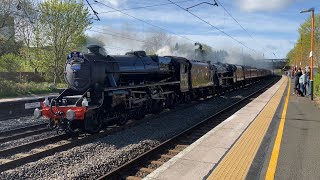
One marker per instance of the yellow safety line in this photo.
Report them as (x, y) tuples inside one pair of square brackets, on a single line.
[(276, 148), (237, 162)]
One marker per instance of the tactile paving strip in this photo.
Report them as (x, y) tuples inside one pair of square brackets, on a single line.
[(236, 163)]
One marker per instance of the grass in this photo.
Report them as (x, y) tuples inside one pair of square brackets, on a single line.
[(14, 89), (317, 84)]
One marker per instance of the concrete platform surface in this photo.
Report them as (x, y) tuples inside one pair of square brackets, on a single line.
[(199, 159), (299, 149)]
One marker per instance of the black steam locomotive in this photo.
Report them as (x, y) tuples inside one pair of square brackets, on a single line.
[(112, 89)]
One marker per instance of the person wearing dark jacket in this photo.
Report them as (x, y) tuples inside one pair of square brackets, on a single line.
[(308, 80), (296, 80)]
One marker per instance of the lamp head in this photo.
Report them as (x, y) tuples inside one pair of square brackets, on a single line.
[(307, 10)]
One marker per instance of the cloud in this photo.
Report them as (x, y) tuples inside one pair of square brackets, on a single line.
[(114, 3), (271, 32), (263, 44), (175, 18), (263, 5)]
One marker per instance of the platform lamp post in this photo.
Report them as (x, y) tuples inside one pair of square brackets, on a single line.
[(311, 52), (296, 61), (300, 52), (300, 64)]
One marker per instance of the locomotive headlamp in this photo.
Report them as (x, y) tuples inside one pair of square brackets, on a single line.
[(46, 102), (37, 113), (70, 114), (84, 102)]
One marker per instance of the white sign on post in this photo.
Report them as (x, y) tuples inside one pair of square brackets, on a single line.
[(31, 105)]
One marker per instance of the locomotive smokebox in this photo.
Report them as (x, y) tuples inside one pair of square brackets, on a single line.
[(78, 71)]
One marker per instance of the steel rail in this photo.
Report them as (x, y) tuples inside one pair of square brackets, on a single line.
[(19, 133), (25, 149), (122, 171)]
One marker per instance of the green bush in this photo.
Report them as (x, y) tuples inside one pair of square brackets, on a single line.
[(14, 89), (317, 83), (10, 63)]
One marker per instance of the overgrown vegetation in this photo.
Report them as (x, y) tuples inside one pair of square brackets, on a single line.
[(36, 36), (303, 44), (317, 84), (13, 89)]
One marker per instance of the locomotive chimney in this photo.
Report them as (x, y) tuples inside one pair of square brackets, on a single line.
[(95, 49)]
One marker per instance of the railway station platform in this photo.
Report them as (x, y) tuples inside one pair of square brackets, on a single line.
[(21, 106), (275, 136), (27, 98)]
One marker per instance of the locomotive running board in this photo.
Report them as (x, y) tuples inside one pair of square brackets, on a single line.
[(142, 85)]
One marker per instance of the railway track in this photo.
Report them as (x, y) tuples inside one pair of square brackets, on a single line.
[(14, 134), (147, 162), (19, 155), (22, 132), (16, 156)]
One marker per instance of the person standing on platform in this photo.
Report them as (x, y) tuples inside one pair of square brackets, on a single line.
[(308, 80), (292, 73), (302, 82), (296, 81)]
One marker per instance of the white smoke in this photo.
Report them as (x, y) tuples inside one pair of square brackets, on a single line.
[(232, 56), (165, 51), (262, 5), (94, 40), (118, 40), (183, 50)]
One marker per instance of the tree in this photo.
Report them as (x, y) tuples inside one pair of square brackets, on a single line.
[(156, 40), (219, 56), (8, 14), (10, 63), (27, 32), (61, 26), (305, 39)]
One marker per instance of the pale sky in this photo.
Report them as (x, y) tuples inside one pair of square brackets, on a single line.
[(271, 26)]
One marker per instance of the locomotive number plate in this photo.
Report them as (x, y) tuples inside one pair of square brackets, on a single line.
[(31, 105), (76, 67)]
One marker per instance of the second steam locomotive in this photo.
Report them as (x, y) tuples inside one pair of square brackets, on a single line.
[(111, 89)]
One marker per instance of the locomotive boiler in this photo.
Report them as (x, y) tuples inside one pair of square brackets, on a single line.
[(96, 69)]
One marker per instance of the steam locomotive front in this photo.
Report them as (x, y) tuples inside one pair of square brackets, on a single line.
[(77, 72), (83, 71)]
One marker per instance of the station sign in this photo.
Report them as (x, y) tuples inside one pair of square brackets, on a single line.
[(31, 105)]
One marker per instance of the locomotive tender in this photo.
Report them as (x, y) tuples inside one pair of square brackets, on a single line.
[(114, 88)]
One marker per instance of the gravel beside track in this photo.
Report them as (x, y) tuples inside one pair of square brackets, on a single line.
[(91, 160), (26, 140), (20, 122)]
